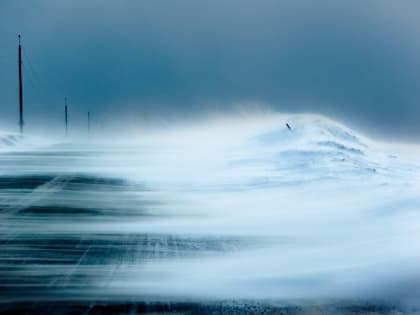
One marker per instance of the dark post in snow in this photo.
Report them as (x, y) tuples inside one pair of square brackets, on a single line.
[(88, 122), (65, 114), (20, 88)]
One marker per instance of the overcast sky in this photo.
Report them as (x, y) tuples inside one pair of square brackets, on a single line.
[(354, 60)]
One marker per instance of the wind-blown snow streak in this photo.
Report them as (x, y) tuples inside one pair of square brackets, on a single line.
[(232, 209)]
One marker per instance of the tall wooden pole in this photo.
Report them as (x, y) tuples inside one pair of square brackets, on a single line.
[(65, 114), (20, 88), (88, 122)]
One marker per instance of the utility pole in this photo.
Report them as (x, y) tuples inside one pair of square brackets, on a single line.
[(88, 122), (66, 114), (20, 87)]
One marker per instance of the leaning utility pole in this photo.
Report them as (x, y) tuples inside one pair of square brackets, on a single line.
[(65, 114), (20, 87)]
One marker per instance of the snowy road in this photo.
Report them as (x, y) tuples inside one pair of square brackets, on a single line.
[(264, 221)]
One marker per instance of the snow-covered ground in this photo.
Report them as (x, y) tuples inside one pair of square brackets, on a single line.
[(8, 140), (231, 209), (12, 141)]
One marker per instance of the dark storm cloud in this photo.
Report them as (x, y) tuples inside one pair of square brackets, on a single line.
[(357, 60)]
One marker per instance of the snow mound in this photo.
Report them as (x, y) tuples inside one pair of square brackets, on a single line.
[(9, 140), (309, 130), (315, 148)]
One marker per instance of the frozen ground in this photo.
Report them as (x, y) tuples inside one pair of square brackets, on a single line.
[(231, 216)]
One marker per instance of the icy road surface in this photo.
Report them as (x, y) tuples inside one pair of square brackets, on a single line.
[(232, 216)]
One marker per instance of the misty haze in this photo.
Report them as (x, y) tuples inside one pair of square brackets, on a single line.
[(209, 157)]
